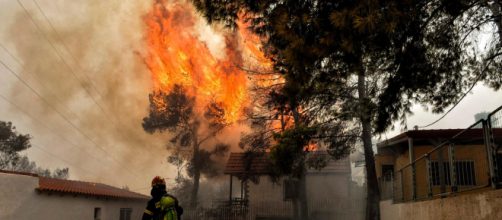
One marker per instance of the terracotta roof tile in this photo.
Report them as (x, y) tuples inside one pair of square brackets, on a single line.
[(238, 163), (85, 188), (46, 184), (260, 164)]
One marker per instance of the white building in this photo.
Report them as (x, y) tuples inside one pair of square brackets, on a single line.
[(28, 196), (328, 189)]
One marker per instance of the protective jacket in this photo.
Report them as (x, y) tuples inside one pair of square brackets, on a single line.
[(163, 208)]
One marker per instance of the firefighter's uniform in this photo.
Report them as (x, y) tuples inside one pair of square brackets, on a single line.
[(163, 207)]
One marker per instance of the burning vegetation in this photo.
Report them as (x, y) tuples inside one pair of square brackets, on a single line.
[(176, 55), (198, 90)]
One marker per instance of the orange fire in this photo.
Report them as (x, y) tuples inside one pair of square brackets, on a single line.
[(176, 55), (311, 147)]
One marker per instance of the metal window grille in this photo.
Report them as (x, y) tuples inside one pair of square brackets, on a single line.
[(465, 173)]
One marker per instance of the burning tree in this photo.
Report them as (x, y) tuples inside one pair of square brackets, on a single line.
[(174, 112), (366, 57)]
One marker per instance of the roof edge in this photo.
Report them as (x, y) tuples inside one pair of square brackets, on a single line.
[(139, 197), (19, 173)]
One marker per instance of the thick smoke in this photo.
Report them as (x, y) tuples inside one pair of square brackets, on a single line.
[(87, 64)]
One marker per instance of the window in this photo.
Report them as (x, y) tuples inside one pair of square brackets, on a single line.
[(387, 172), (97, 213), (125, 213), (465, 174)]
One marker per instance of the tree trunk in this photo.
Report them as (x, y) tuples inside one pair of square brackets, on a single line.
[(302, 196), (195, 189), (373, 193), (302, 183), (196, 171)]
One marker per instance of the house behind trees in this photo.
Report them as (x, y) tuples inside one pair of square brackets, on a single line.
[(328, 189)]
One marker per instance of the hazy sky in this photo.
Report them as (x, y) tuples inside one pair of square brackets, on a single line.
[(89, 73)]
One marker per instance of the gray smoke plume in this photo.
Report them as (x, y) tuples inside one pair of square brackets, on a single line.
[(86, 64)]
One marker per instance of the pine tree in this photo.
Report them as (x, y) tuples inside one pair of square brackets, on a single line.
[(371, 59), (173, 111)]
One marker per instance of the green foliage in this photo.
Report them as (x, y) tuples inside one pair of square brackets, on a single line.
[(11, 144), (209, 161), (415, 51), (10, 141), (174, 112), (171, 111), (367, 60), (288, 152)]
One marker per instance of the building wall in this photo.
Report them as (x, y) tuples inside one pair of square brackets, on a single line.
[(383, 159), (19, 200), (482, 205), (267, 199), (476, 153), (325, 193)]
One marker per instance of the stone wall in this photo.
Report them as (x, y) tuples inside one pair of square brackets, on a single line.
[(476, 205)]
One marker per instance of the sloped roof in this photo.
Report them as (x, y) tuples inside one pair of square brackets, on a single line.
[(85, 188), (259, 164), (46, 184), (18, 173), (239, 163)]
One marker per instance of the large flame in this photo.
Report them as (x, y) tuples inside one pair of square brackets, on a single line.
[(176, 55)]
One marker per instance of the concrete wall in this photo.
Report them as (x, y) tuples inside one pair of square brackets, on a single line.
[(324, 193), (19, 200), (266, 198), (479, 205)]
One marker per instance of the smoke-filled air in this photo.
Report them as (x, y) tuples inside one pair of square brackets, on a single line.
[(93, 64), (250, 110)]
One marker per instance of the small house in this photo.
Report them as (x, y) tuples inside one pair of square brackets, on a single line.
[(29, 196), (328, 189), (423, 164)]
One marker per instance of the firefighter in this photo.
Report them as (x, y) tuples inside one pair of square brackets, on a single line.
[(162, 206)]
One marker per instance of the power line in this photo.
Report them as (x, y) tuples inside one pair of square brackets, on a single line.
[(31, 88), (66, 48), (37, 78), (60, 114), (462, 97), (67, 64), (39, 147), (44, 125), (60, 56), (40, 81), (114, 122)]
